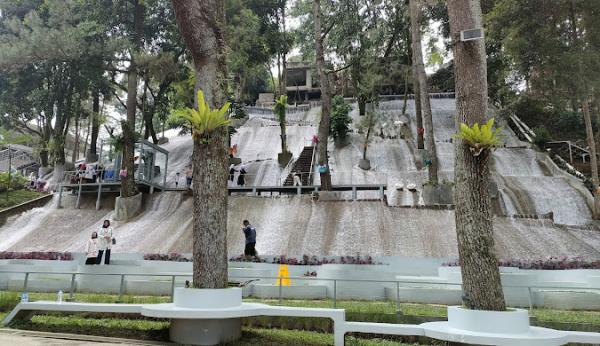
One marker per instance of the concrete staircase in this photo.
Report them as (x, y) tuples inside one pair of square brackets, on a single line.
[(302, 165)]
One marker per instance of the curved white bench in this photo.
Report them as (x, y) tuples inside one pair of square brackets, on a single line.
[(436, 330), (71, 307)]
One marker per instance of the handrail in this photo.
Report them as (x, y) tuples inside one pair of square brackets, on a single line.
[(173, 276), (312, 164), (307, 278)]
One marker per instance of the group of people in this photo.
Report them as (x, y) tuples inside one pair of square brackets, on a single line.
[(99, 245), (88, 173), (241, 177), (188, 177), (101, 242), (35, 183)]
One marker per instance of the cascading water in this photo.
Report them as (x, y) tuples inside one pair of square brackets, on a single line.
[(296, 225)]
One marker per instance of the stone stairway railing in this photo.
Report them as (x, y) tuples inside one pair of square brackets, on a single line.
[(303, 167)]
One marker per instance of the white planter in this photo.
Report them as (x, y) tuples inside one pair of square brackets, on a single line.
[(206, 331), (512, 321), (204, 298), (483, 327)]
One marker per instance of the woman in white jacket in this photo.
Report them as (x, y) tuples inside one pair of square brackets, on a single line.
[(105, 241), (92, 249)]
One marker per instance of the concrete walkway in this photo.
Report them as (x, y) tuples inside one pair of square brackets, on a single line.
[(32, 338)]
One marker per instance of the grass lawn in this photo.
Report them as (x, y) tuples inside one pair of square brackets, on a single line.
[(17, 197), (260, 330)]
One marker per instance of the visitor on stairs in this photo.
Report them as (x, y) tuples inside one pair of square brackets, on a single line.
[(250, 234), (241, 180), (297, 180), (106, 240), (188, 177), (92, 249), (232, 171)]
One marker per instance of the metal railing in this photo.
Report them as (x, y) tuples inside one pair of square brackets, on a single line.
[(279, 279)]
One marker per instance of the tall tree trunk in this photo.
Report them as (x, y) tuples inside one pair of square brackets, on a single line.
[(75, 154), (325, 99), (415, 28), (202, 25), (585, 108), (151, 132), (405, 103), (367, 137), (93, 152), (284, 148), (44, 161), (415, 88), (279, 85), (61, 128), (128, 186), (482, 289), (283, 55), (87, 136)]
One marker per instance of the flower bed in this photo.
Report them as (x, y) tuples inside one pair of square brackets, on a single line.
[(37, 255), (309, 260), (306, 260), (172, 257), (549, 263)]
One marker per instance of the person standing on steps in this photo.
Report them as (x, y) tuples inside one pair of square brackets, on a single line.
[(188, 177), (297, 179), (105, 243), (241, 180), (250, 234), (232, 171), (92, 249)]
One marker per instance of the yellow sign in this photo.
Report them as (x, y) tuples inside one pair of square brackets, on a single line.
[(283, 278)]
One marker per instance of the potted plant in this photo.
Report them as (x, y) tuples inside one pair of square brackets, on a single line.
[(340, 121)]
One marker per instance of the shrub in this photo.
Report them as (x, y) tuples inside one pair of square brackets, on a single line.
[(17, 181), (480, 138), (549, 263), (172, 257), (305, 260), (37, 255), (542, 136), (340, 120)]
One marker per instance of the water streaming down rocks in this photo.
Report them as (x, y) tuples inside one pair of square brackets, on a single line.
[(297, 225)]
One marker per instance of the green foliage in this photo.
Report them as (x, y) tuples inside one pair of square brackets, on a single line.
[(11, 137), (280, 107), (204, 120), (480, 138), (561, 124), (253, 39), (369, 121), (16, 197), (542, 136), (340, 119), (16, 182), (543, 47)]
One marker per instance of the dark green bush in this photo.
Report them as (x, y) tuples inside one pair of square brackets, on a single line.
[(340, 120), (542, 136), (17, 181)]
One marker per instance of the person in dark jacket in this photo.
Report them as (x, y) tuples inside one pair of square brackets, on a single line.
[(250, 234), (241, 180)]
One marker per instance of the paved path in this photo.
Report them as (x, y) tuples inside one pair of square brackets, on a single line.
[(31, 338)]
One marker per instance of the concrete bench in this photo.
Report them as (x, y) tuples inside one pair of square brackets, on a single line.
[(71, 307), (436, 330), (177, 313)]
